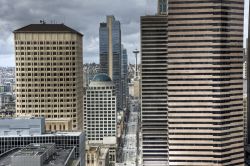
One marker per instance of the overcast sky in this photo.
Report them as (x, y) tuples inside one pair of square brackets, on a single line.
[(82, 15)]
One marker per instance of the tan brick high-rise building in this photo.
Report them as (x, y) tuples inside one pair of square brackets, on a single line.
[(49, 75)]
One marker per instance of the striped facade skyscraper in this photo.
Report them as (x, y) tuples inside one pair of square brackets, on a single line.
[(204, 85), (154, 89)]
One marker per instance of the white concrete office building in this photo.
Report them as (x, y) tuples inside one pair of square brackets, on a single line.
[(100, 114)]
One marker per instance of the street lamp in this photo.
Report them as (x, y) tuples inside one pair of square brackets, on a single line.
[(136, 52)]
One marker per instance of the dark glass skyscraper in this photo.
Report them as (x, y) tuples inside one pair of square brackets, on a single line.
[(111, 53), (124, 77)]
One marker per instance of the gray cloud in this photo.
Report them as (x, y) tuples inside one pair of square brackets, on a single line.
[(82, 15)]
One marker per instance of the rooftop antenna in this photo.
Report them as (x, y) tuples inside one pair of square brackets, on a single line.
[(42, 22)]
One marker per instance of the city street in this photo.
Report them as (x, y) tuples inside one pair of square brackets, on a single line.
[(129, 153)]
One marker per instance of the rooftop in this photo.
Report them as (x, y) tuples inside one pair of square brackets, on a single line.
[(34, 150), (58, 158), (46, 28), (21, 118), (47, 134), (102, 78)]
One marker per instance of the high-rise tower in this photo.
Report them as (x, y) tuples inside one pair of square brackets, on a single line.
[(49, 78), (154, 123), (124, 75), (248, 80), (100, 117), (198, 55), (111, 53), (205, 85)]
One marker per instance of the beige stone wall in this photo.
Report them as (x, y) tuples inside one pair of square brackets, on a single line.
[(49, 76), (137, 88), (58, 125), (97, 156)]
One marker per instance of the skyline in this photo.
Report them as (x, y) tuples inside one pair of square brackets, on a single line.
[(16, 14), (82, 15), (67, 68)]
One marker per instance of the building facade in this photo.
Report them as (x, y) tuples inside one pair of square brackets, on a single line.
[(248, 80), (49, 73), (202, 123), (111, 53), (124, 80), (7, 104), (97, 156), (205, 85), (154, 123), (40, 155), (100, 117), (61, 139), (22, 126)]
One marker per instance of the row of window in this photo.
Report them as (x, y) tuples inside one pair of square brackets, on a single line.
[(48, 100), (107, 130), (23, 105), (92, 105), (101, 127), (100, 99), (65, 69), (30, 58), (45, 42), (50, 116), (55, 86), (100, 117), (99, 109), (104, 87), (45, 95), (46, 53), (45, 80), (45, 48), (44, 110)]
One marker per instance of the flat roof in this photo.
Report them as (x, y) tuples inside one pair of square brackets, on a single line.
[(20, 118), (34, 150), (60, 157), (47, 134)]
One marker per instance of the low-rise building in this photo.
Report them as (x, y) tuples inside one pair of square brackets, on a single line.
[(40, 155), (97, 156), (22, 126), (20, 132), (7, 104)]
